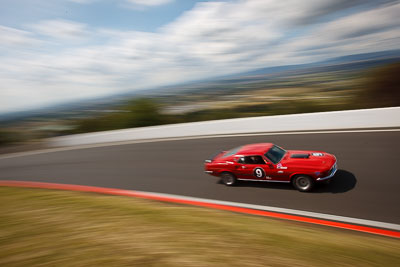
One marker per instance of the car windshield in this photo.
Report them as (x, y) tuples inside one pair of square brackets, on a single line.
[(275, 154), (232, 152)]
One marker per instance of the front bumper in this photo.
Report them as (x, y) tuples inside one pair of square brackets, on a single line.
[(331, 173)]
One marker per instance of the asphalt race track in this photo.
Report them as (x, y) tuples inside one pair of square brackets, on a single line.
[(366, 185)]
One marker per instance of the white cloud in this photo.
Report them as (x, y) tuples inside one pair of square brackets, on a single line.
[(142, 5), (134, 3), (149, 2), (363, 23), (214, 38), (351, 34), (14, 37), (61, 29)]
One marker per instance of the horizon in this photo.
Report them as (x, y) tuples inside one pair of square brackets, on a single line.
[(378, 58), (57, 53)]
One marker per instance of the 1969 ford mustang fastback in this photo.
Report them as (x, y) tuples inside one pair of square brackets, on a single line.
[(266, 162)]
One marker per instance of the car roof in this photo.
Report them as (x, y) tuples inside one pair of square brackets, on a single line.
[(254, 149)]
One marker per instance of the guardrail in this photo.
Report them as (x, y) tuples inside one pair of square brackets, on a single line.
[(352, 119)]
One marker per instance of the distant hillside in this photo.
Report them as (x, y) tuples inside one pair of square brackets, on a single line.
[(350, 63)]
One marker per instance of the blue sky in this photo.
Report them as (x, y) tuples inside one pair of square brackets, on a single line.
[(102, 13), (64, 50)]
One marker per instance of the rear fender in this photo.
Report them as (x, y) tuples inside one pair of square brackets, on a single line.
[(224, 170)]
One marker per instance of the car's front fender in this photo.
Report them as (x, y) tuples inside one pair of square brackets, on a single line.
[(311, 174)]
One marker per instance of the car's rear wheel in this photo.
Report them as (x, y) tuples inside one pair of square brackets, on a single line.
[(228, 178), (303, 183)]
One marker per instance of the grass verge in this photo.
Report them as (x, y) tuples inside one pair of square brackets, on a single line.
[(59, 228)]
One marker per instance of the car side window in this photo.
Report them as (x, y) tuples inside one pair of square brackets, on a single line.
[(241, 160), (251, 160)]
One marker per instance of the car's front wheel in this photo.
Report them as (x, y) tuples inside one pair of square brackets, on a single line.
[(303, 183), (228, 178)]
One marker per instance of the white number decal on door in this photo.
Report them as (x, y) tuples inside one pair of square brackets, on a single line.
[(259, 173)]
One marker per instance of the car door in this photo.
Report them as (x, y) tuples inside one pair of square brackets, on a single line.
[(252, 168), (277, 172)]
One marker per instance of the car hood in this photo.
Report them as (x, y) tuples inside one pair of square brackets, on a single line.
[(306, 158)]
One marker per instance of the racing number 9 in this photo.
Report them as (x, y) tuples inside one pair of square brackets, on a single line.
[(259, 173)]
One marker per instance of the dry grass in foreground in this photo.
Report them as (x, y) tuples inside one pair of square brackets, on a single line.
[(58, 228)]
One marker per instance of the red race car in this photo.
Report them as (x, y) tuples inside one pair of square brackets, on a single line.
[(266, 162)]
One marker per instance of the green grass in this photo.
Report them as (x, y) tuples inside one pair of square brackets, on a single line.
[(59, 228)]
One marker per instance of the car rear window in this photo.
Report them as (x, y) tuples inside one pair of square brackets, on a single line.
[(232, 152)]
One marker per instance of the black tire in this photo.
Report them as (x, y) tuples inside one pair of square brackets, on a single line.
[(228, 179), (303, 183)]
